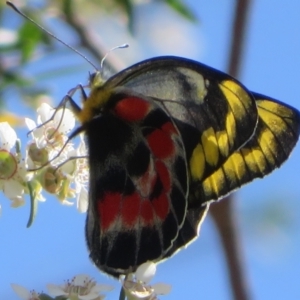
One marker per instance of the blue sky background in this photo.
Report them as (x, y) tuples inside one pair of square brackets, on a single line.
[(268, 210)]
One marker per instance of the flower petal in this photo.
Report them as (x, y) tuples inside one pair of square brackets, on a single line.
[(22, 171), (55, 290), (66, 202), (162, 288), (17, 201), (89, 296), (8, 136), (22, 292), (65, 119), (82, 146), (102, 288), (82, 200), (36, 133), (13, 188), (30, 124), (80, 279), (145, 272), (45, 112)]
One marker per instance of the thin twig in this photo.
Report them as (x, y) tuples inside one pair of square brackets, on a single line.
[(223, 212)]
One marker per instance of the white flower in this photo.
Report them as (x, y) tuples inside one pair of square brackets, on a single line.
[(62, 120), (50, 135), (58, 167), (8, 136), (55, 182), (13, 175), (23, 293), (49, 151), (77, 169), (82, 200), (81, 287), (136, 285)]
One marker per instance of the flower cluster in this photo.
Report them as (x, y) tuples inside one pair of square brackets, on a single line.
[(52, 163), (80, 287)]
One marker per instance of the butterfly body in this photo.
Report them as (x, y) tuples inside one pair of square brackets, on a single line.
[(165, 138)]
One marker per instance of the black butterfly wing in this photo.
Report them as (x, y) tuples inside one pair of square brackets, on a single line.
[(138, 184), (276, 135), (215, 113)]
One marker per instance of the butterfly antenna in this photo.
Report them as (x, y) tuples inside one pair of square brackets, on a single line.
[(123, 46), (52, 35)]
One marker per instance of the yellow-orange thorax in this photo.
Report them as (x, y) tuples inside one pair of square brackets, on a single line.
[(99, 95)]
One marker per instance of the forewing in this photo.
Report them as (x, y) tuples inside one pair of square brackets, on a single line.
[(215, 113)]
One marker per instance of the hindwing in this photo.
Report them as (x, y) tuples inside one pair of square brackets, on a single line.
[(138, 184), (275, 136)]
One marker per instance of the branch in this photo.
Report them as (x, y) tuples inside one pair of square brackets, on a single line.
[(88, 39), (238, 37), (224, 217)]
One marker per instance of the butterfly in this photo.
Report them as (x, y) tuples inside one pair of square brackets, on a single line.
[(166, 137)]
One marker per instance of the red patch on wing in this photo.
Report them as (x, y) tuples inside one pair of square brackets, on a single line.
[(161, 206), (108, 209), (163, 174), (161, 144), (131, 209), (132, 109), (147, 212), (169, 128)]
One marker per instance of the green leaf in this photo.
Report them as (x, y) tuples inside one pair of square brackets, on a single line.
[(127, 6), (122, 295), (182, 9), (14, 78), (33, 204), (29, 37), (45, 297)]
